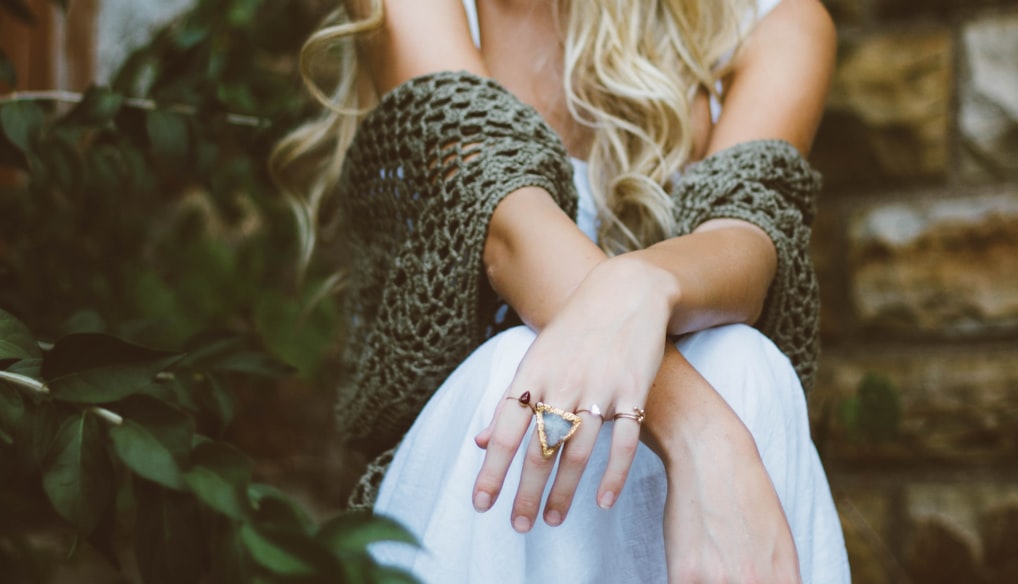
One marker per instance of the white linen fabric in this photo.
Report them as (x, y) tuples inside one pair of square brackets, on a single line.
[(429, 485)]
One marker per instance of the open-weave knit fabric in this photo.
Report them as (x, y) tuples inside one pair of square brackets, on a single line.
[(423, 176), (421, 179), (769, 184)]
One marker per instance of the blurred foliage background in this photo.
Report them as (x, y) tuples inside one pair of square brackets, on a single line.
[(141, 214)]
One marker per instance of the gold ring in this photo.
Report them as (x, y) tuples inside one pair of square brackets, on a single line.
[(554, 427), (638, 415)]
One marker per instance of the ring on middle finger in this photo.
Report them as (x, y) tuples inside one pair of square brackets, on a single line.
[(593, 410), (554, 427)]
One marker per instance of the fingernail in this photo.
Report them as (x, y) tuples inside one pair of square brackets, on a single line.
[(521, 524), (482, 501), (553, 518), (606, 500)]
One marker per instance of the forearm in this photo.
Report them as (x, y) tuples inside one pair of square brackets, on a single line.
[(536, 259), (720, 274)]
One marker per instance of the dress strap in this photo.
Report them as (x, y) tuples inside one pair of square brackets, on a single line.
[(470, 6)]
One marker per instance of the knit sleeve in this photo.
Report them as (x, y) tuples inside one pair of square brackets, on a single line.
[(769, 184), (420, 182)]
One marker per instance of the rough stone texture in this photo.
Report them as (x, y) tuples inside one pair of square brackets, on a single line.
[(828, 249), (845, 11), (945, 267), (124, 25), (888, 113), (865, 517), (988, 111), (923, 9), (962, 532), (959, 407)]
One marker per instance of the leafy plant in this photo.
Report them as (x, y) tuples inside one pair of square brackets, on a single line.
[(144, 209), (148, 202), (873, 414), (95, 420)]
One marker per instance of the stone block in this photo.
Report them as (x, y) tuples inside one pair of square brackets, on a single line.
[(899, 10), (988, 98), (888, 112), (865, 515), (958, 406), (936, 267), (845, 12), (964, 532), (828, 250)]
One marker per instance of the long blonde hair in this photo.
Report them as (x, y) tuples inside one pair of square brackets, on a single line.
[(632, 69)]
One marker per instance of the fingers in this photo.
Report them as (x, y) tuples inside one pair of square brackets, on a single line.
[(501, 443), (575, 454), (625, 440), (536, 470)]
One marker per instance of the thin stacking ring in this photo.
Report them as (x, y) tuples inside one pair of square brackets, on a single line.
[(638, 415), (593, 410)]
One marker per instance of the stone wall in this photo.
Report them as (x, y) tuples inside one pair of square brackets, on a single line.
[(916, 406)]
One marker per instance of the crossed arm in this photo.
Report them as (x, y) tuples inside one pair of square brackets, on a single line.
[(603, 322)]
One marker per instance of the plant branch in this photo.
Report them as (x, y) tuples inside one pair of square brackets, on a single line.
[(40, 387), (134, 102)]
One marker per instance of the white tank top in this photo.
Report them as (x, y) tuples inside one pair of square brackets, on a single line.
[(586, 218)]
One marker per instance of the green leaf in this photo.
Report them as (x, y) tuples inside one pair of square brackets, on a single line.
[(216, 399), (16, 341), (19, 9), (253, 363), (169, 541), (98, 106), (274, 508), (78, 475), (219, 476), (22, 121), (8, 75), (354, 531), (39, 433), (27, 367), (97, 368), (154, 441), (168, 135), (61, 161), (230, 564), (285, 552), (879, 408), (12, 409), (390, 575)]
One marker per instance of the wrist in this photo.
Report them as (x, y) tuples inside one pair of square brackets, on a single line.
[(687, 420)]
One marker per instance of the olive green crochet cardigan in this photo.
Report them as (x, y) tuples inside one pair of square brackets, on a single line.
[(421, 179)]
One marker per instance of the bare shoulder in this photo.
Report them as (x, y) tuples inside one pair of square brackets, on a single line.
[(780, 78)]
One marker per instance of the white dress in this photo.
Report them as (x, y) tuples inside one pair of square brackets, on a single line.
[(429, 485)]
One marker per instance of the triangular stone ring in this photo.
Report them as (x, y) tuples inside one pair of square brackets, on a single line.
[(554, 427)]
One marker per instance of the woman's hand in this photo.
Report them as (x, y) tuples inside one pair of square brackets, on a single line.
[(723, 520), (603, 348)]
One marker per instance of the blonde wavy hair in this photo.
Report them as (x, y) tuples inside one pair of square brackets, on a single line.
[(631, 72)]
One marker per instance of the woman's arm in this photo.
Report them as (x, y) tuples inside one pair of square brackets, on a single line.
[(417, 37)]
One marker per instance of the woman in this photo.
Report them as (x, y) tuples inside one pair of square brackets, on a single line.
[(456, 194)]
